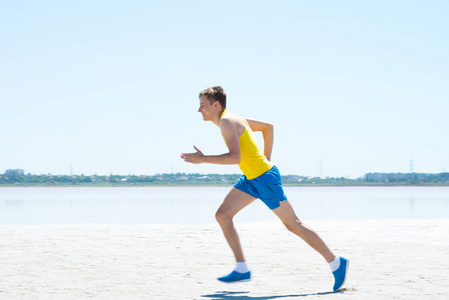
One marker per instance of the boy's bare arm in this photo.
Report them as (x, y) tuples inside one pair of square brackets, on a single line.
[(231, 137)]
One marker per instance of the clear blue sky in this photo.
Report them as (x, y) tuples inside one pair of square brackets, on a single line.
[(112, 86)]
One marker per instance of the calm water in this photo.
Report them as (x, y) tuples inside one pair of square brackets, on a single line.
[(197, 205)]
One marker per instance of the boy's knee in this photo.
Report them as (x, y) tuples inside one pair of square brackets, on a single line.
[(222, 216), (289, 227), (294, 226)]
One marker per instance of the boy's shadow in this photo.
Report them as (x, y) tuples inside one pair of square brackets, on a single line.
[(224, 295)]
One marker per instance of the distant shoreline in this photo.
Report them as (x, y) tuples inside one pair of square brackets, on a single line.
[(14, 178), (342, 184)]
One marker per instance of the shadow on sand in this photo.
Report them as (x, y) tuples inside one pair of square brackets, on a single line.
[(224, 295)]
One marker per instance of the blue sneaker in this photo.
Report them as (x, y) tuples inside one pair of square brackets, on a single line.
[(340, 273), (235, 276)]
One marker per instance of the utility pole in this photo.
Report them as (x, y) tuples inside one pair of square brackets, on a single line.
[(412, 175), (321, 169)]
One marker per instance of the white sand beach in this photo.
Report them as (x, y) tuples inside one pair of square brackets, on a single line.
[(389, 259)]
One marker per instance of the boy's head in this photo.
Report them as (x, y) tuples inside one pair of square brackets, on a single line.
[(215, 93)]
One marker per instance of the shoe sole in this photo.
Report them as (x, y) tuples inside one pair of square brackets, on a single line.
[(237, 281)]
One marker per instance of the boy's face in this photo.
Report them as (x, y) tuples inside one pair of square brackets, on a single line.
[(207, 109)]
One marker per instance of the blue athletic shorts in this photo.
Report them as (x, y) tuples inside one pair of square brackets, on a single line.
[(267, 187)]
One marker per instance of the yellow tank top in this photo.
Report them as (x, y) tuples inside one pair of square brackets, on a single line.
[(252, 161)]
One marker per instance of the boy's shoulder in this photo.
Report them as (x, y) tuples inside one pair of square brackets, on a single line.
[(231, 118)]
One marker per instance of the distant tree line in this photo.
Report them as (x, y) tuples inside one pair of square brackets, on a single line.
[(158, 179), (406, 177), (19, 179)]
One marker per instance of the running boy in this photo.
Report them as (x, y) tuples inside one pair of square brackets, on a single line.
[(260, 179)]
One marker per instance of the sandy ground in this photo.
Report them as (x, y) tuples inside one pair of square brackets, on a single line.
[(390, 259)]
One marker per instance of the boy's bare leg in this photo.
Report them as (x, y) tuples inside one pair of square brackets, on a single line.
[(287, 215), (234, 202)]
